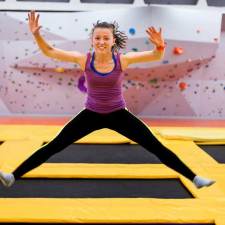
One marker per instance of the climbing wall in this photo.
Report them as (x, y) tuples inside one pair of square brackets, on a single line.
[(188, 82)]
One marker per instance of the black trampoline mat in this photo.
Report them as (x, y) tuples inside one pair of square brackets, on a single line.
[(96, 188), (215, 151), (104, 153)]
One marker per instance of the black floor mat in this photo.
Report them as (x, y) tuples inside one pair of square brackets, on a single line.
[(215, 151), (104, 153), (96, 188)]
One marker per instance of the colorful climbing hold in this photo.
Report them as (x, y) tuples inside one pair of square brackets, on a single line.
[(132, 31), (177, 51), (134, 49), (153, 81), (182, 86), (59, 70)]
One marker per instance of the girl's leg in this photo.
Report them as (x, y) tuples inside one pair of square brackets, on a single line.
[(82, 124), (131, 127)]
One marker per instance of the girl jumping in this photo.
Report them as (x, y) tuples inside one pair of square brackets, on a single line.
[(105, 106)]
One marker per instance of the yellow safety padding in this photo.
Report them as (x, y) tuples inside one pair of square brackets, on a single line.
[(112, 210), (210, 142), (208, 206), (47, 133), (192, 133)]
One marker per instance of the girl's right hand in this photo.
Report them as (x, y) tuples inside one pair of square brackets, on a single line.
[(33, 22)]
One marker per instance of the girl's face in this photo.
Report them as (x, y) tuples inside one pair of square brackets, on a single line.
[(102, 40)]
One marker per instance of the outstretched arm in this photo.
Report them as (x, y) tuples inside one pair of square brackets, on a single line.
[(69, 56), (147, 56)]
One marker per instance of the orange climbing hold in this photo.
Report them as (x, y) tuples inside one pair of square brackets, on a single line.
[(177, 51), (182, 86)]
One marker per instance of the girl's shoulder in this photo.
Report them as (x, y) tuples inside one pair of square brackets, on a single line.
[(123, 61)]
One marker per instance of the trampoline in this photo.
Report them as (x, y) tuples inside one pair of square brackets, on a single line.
[(215, 151), (96, 188), (104, 153), (111, 200)]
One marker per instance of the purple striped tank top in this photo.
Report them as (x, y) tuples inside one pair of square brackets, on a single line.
[(104, 90)]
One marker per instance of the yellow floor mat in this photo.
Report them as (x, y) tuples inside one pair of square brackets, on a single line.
[(200, 134), (208, 206)]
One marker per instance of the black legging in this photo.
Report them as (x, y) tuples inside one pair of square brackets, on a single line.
[(121, 121)]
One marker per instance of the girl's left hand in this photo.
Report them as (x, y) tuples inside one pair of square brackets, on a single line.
[(155, 37)]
